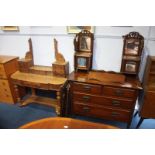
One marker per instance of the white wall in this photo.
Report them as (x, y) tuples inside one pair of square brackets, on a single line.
[(108, 44)]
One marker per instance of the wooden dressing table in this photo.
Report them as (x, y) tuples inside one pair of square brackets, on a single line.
[(39, 77), (45, 82)]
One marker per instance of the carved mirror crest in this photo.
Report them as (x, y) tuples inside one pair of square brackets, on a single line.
[(83, 41), (133, 44)]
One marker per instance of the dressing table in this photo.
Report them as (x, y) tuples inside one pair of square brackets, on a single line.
[(39, 77)]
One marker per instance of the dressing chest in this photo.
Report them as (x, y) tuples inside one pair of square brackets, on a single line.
[(110, 96), (8, 65)]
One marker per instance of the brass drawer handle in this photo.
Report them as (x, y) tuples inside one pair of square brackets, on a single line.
[(86, 98), (119, 92), (115, 114), (86, 109), (87, 87), (116, 103)]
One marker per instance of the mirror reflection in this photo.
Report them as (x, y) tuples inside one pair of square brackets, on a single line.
[(130, 67), (85, 43), (81, 62), (131, 47)]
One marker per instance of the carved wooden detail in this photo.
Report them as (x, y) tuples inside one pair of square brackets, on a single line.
[(83, 45), (132, 51), (27, 62), (29, 54), (58, 56), (60, 66)]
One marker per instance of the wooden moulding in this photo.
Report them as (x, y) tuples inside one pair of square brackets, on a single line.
[(27, 62), (42, 70), (106, 77)]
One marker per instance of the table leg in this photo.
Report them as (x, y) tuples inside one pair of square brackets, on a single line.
[(26, 102), (58, 102), (17, 93), (33, 92)]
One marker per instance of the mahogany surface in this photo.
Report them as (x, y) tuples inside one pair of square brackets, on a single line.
[(147, 99), (65, 123), (45, 82), (107, 99)]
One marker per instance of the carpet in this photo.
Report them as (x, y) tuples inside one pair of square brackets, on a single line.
[(13, 116)]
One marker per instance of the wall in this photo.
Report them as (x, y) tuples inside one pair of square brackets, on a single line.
[(108, 44)]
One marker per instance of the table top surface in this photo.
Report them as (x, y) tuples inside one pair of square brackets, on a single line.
[(105, 78), (65, 123), (5, 58), (35, 78)]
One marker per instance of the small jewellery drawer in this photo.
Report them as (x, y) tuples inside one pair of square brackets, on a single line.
[(105, 101), (101, 112), (2, 71), (119, 92), (86, 88), (32, 85)]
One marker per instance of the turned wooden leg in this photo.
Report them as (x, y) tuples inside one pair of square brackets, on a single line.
[(33, 92), (140, 122), (25, 102), (17, 93), (58, 103)]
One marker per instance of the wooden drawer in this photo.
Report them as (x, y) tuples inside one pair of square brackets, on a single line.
[(119, 92), (101, 112), (7, 98), (86, 88), (104, 101), (4, 84), (34, 85), (5, 92), (2, 71)]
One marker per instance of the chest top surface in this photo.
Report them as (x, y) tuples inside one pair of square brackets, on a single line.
[(4, 59), (105, 78)]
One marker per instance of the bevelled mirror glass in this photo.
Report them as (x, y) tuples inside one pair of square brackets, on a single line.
[(81, 62), (85, 43), (131, 47)]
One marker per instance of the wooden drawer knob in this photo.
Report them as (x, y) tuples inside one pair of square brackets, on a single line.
[(116, 103), (87, 87), (114, 114), (119, 92), (86, 109), (86, 98)]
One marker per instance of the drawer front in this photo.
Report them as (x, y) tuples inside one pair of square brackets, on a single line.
[(101, 112), (2, 71), (104, 101), (4, 84), (5, 92), (34, 85), (119, 92), (87, 88), (7, 98)]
